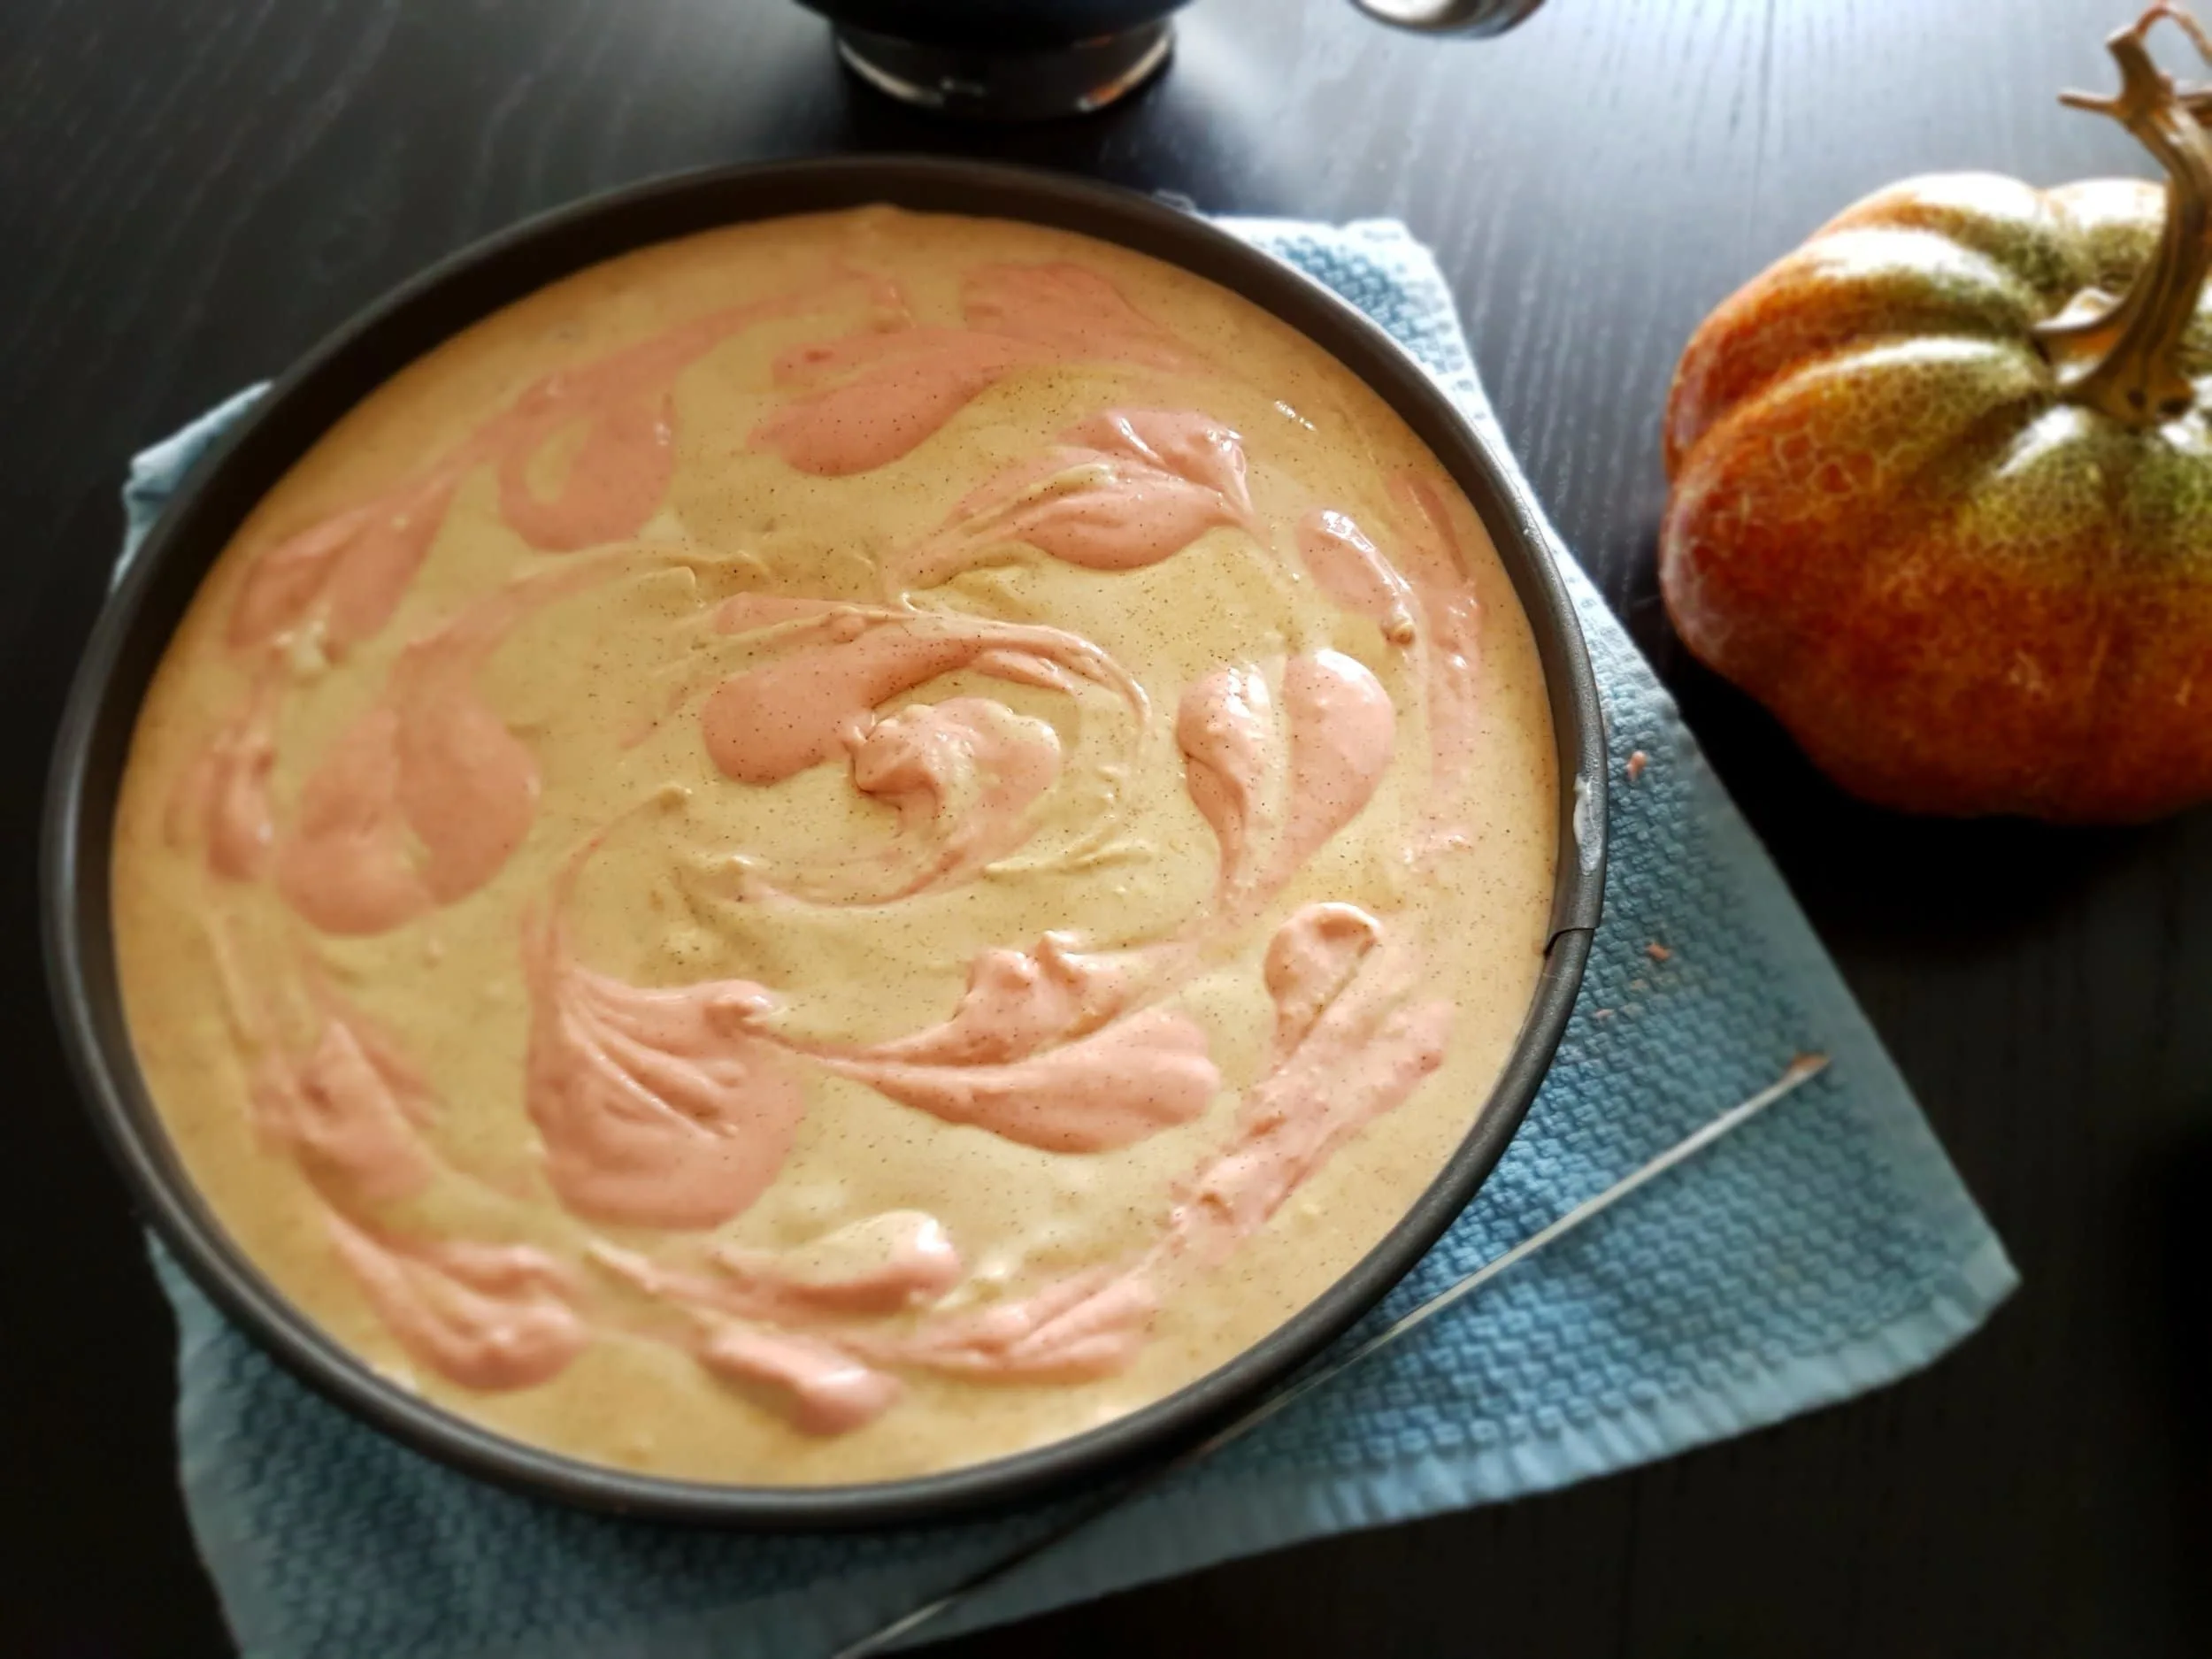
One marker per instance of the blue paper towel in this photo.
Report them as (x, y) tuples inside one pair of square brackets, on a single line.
[(1825, 1249)]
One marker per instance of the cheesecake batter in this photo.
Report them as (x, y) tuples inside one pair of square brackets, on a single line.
[(837, 849)]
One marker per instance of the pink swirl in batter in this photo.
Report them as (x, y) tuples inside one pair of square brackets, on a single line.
[(1232, 764), (221, 799), (1142, 1071), (468, 789), (880, 1265), (1273, 805), (874, 397), (658, 1108), (1451, 621), (815, 1387), (354, 567), (1140, 1075), (350, 1114), (489, 1319), (774, 722), (1355, 574), (961, 775), (1309, 961), (1018, 1001), (345, 867), (1070, 309), (1341, 732), (1361, 1052), (619, 472), (1125, 489), (1088, 1325), (909, 385), (426, 796), (1352, 1043)]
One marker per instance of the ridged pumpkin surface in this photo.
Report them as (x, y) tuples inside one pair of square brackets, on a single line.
[(1961, 591)]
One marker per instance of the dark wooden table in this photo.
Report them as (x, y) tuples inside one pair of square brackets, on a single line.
[(192, 191)]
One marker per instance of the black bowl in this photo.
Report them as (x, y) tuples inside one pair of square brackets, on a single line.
[(134, 630), (1003, 60), (1003, 26)]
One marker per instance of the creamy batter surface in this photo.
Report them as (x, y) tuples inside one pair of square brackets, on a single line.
[(837, 849)]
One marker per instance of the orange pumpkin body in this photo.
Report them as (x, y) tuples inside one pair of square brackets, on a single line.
[(1961, 592)]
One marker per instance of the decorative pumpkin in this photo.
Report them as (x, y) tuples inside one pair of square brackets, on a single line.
[(1942, 483)]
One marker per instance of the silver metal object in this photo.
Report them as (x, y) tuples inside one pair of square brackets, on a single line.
[(1800, 1071)]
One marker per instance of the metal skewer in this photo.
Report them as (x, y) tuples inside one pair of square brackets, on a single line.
[(1801, 1069)]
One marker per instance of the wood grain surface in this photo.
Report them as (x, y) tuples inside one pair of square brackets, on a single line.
[(191, 191)]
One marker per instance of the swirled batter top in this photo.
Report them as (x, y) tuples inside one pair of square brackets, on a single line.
[(837, 849)]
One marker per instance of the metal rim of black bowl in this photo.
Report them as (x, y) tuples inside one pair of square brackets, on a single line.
[(135, 627)]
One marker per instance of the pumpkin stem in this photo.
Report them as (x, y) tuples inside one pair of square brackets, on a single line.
[(2128, 367)]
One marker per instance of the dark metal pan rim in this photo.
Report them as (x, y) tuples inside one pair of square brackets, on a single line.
[(135, 625)]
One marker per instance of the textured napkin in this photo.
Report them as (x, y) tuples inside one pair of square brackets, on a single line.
[(1824, 1249)]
